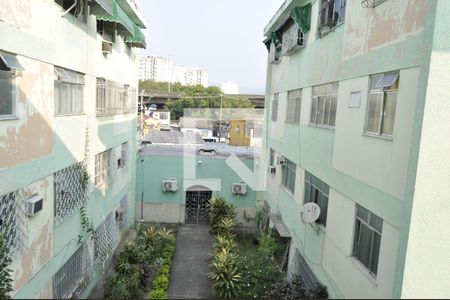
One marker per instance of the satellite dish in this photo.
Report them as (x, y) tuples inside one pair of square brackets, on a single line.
[(310, 213)]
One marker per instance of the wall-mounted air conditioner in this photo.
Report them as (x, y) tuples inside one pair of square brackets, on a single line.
[(34, 205), (106, 48), (239, 188), (281, 160), (119, 214), (170, 185)]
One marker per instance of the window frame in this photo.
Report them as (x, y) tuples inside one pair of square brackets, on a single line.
[(78, 101), (331, 98), (383, 92), (13, 95), (357, 239), (103, 165), (294, 106), (326, 26), (309, 185), (289, 168), (274, 104)]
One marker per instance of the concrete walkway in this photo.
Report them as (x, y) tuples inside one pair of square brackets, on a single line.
[(190, 266)]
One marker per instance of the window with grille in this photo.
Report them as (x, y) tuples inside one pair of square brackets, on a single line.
[(331, 14), (294, 102), (9, 66), (382, 104), (288, 176), (106, 239), (123, 155), (316, 191), (69, 92), (14, 222), (122, 218), (70, 195), (102, 168), (275, 108), (324, 105), (74, 276), (367, 239), (114, 98)]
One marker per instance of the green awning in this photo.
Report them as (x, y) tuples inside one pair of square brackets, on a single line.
[(125, 24), (276, 39), (302, 16), (101, 7), (137, 39)]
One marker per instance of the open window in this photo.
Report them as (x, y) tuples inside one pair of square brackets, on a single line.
[(331, 14), (107, 30), (10, 67), (77, 8)]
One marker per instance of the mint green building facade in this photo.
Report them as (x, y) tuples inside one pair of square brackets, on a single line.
[(61, 68), (366, 80), (212, 173)]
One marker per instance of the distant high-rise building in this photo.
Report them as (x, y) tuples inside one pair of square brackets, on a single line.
[(230, 87), (162, 69)]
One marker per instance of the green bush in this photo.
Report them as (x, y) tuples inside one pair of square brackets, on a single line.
[(158, 294), (161, 282), (219, 210), (267, 244), (225, 274), (127, 285)]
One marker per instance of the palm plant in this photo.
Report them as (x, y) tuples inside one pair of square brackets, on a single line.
[(225, 274)]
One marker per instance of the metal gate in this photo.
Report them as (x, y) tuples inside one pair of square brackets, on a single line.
[(196, 211)]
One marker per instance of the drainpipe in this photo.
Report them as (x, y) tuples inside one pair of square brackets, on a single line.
[(142, 193), (73, 5)]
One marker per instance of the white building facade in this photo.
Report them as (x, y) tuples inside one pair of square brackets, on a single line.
[(161, 69)]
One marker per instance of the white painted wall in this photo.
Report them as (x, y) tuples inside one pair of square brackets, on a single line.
[(378, 162), (350, 275)]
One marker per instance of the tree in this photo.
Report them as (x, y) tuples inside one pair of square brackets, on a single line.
[(5, 273)]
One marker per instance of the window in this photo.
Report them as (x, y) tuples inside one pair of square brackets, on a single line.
[(293, 38), (107, 30), (317, 191), (324, 105), (9, 66), (332, 13), (102, 168), (114, 98), (275, 108), (382, 103), (69, 92), (76, 7), (367, 239), (272, 157), (274, 53), (294, 102), (288, 176), (123, 155)]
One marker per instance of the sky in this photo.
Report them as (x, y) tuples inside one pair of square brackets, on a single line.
[(223, 36)]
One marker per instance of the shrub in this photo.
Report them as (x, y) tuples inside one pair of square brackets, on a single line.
[(258, 275), (267, 244), (161, 282), (219, 209), (125, 286), (158, 294), (295, 290), (225, 274)]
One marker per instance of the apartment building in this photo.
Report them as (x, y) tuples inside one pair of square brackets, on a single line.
[(69, 76), (161, 69), (357, 108)]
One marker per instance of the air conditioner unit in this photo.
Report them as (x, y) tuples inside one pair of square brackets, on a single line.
[(106, 48), (272, 170), (170, 185), (34, 205), (239, 189), (281, 160)]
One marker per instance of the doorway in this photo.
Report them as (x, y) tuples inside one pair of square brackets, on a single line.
[(197, 206)]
